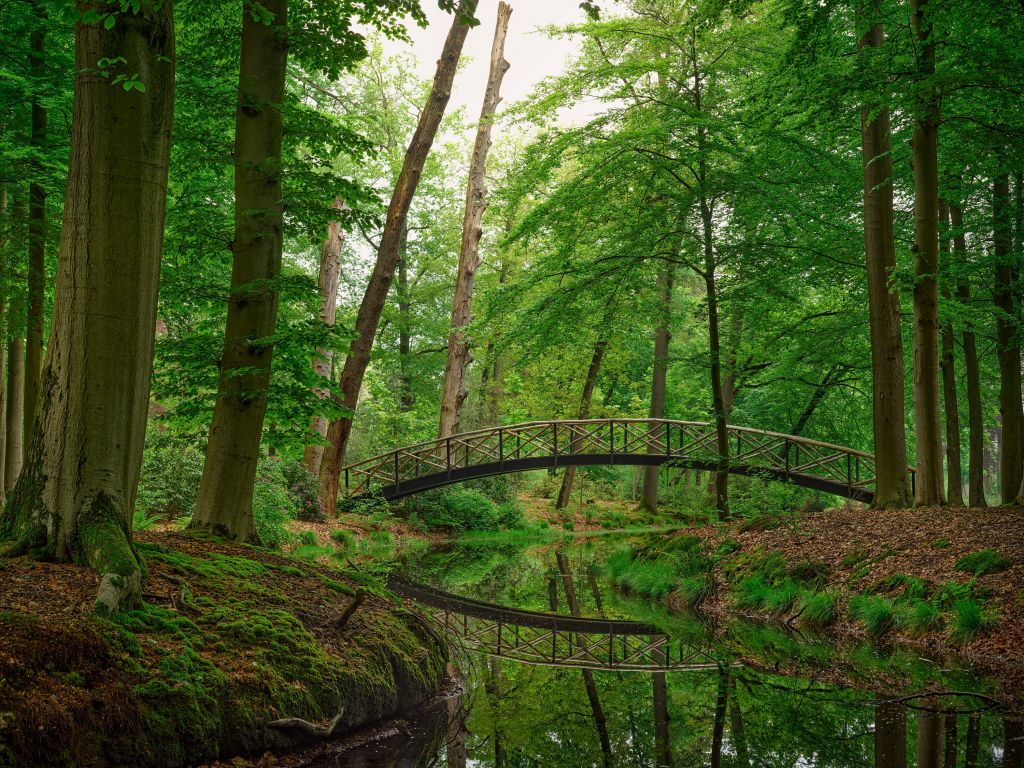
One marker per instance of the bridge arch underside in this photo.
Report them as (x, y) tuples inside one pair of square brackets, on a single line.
[(395, 491)]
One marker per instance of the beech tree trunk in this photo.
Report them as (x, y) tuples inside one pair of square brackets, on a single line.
[(14, 447), (975, 423), (930, 738), (327, 283), (954, 483), (662, 337), (376, 292), (929, 487), (892, 489), (35, 321), (890, 735), (453, 391), (569, 476), (405, 399), (74, 498), (1007, 345), (662, 740), (224, 506), (3, 386)]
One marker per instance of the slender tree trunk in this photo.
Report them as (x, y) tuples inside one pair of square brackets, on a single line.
[(949, 753), (1013, 743), (387, 255), (1007, 345), (930, 739), (327, 284), (565, 491), (815, 400), (224, 505), (954, 487), (739, 737), (600, 723), (890, 735), (14, 448), (721, 706), (453, 391), (36, 226), (405, 399), (662, 741), (659, 375), (892, 483), (975, 424), (75, 496), (495, 691), (972, 745), (929, 486)]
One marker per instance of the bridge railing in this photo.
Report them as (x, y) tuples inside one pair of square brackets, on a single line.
[(509, 448)]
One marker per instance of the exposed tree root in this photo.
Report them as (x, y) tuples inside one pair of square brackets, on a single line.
[(306, 729)]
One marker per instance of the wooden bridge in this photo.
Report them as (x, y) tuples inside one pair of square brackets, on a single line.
[(549, 639), (651, 442)]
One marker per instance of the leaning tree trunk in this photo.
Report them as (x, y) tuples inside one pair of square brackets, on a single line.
[(954, 485), (892, 484), (74, 498), (453, 391), (929, 488), (1007, 345), (388, 252), (565, 492), (224, 505), (330, 272), (662, 336), (35, 321), (975, 423)]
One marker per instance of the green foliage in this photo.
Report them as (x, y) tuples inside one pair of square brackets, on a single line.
[(344, 540), (985, 561), (461, 509), (900, 584), (877, 614), (308, 538), (172, 466), (304, 489), (272, 505), (969, 619), (941, 543), (923, 616), (855, 556), (818, 609)]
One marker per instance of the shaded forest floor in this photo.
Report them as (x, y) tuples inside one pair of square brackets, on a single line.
[(229, 639)]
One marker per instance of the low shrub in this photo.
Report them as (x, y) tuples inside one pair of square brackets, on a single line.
[(462, 509), (511, 514), (308, 538), (304, 488), (985, 561), (271, 504), (172, 466)]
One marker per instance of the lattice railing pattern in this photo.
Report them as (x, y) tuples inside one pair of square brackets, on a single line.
[(557, 443)]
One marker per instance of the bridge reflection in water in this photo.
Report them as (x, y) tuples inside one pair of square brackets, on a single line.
[(548, 639)]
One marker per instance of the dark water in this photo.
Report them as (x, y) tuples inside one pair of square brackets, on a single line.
[(767, 696)]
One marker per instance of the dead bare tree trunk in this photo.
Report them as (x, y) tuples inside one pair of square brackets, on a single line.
[(75, 495), (662, 337), (892, 483), (376, 292), (327, 283), (453, 391)]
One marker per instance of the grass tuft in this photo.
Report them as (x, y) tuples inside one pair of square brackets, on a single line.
[(923, 616), (818, 610), (969, 619), (985, 561), (878, 614)]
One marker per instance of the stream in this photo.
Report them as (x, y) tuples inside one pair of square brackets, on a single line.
[(747, 694)]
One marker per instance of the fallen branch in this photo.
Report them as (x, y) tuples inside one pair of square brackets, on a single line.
[(306, 728), (352, 607)]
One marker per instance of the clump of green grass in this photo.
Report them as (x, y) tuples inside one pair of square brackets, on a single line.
[(810, 572), (855, 556), (652, 577), (878, 614), (985, 561), (912, 587), (969, 619), (757, 592), (818, 609), (727, 547), (693, 590), (941, 543), (343, 539), (923, 616), (308, 538), (311, 552), (759, 523)]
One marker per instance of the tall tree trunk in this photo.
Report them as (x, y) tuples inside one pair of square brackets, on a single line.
[(327, 284), (75, 496), (15, 445), (569, 476), (493, 389), (949, 753), (890, 735), (721, 705), (405, 400), (387, 254), (929, 486), (662, 740), (892, 483), (495, 690), (975, 424), (1013, 743), (35, 323), (1007, 344), (224, 505), (739, 737), (659, 375), (453, 391), (972, 745), (930, 740), (600, 723), (954, 487), (3, 386)]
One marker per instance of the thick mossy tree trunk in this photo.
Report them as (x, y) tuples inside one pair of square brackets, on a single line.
[(224, 506), (659, 375), (330, 272), (892, 489), (565, 491), (388, 253), (74, 498), (929, 489), (453, 390)]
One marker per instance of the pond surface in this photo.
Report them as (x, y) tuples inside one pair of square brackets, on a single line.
[(754, 695)]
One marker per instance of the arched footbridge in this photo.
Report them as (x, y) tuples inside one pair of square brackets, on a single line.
[(651, 442), (550, 639)]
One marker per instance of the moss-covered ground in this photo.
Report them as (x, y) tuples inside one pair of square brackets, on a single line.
[(229, 638)]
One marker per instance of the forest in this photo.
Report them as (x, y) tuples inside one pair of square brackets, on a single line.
[(721, 301)]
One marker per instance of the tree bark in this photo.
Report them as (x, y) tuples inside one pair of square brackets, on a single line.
[(453, 391), (1013, 743), (35, 321), (75, 495), (892, 484), (405, 399), (890, 735), (972, 745), (376, 292), (930, 739), (950, 738), (569, 476), (327, 284), (659, 374), (662, 741), (721, 706), (3, 385), (929, 488), (954, 482), (1007, 345), (224, 506), (738, 732), (975, 423), (15, 445)]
